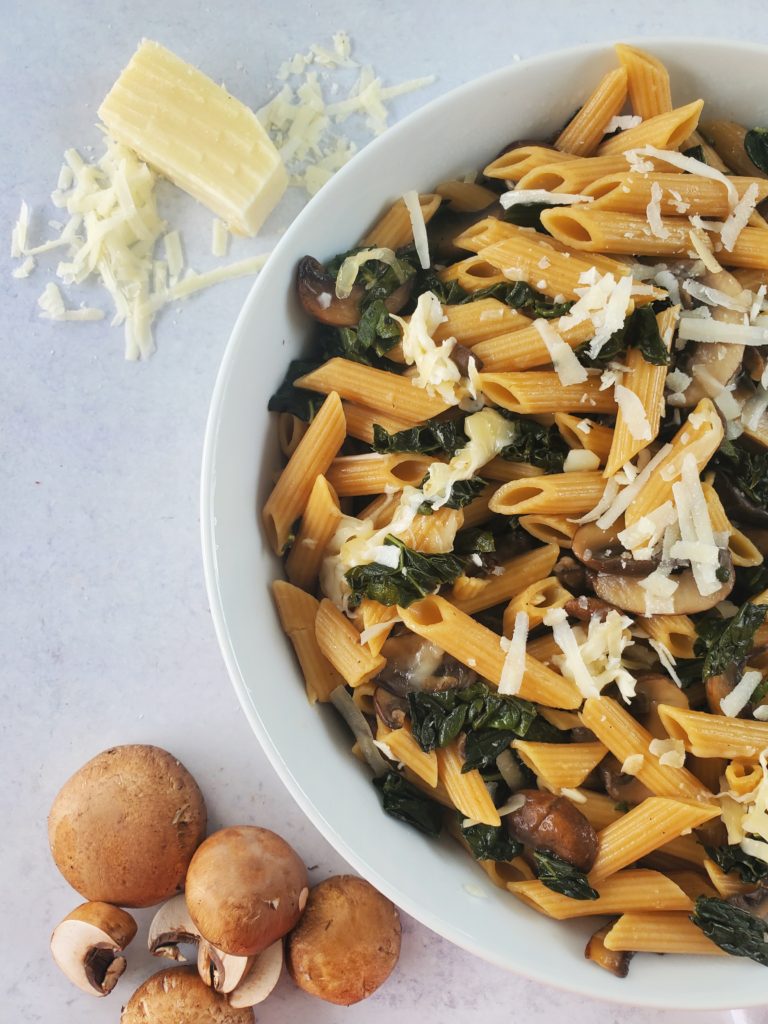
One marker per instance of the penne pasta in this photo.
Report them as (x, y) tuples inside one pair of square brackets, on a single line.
[(584, 131), (566, 493), (361, 421), (660, 933), (535, 601), (322, 516), (551, 529), (466, 196), (714, 735), (340, 642), (517, 574), (394, 229), (680, 193), (540, 391), (727, 137), (516, 162), (467, 791), (353, 475), (635, 890), (560, 765), (290, 430), (666, 130), (524, 348), (647, 81), (581, 433), (404, 748), (297, 611), (676, 632)]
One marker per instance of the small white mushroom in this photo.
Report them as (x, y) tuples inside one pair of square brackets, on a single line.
[(261, 979), (221, 971), (171, 927), (88, 946)]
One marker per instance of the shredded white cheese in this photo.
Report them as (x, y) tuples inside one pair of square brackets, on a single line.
[(219, 237), (579, 460), (621, 122), (653, 212), (633, 413), (524, 196), (690, 164), (513, 668), (707, 330), (416, 214), (347, 275), (567, 367), (739, 216), (633, 764), (740, 695), (604, 301), (670, 753)]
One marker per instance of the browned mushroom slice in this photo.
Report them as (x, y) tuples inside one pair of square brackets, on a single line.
[(714, 366), (602, 551), (654, 689), (460, 355), (620, 787), (317, 294), (390, 708), (586, 608), (613, 960), (553, 823), (625, 591), (414, 664), (717, 687)]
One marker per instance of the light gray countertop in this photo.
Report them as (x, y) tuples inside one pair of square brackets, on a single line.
[(106, 634)]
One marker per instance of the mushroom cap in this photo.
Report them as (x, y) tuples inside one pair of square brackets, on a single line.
[(124, 827), (347, 943), (246, 887), (179, 995)]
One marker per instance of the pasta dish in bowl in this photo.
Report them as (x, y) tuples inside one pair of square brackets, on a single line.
[(522, 516)]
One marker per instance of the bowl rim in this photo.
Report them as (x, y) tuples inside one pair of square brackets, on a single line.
[(208, 540)]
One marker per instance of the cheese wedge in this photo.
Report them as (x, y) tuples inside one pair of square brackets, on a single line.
[(192, 131)]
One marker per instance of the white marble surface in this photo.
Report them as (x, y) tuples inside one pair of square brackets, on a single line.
[(106, 635)]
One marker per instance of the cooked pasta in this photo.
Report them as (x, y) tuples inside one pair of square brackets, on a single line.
[(523, 514)]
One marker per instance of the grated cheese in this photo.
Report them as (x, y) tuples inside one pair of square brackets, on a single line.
[(489, 433), (653, 212), (219, 238), (513, 668), (52, 305), (709, 331), (349, 269), (621, 502), (739, 216), (715, 297), (604, 301), (690, 164), (25, 268), (696, 528), (740, 695), (567, 367), (632, 411), (525, 196), (703, 250), (436, 372), (596, 661), (579, 460), (621, 122), (670, 753), (416, 214), (633, 764), (667, 660)]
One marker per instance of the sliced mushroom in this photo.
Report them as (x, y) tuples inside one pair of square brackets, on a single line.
[(613, 960), (570, 574), (586, 608), (171, 927), (260, 979), (415, 664), (738, 505), (390, 708), (626, 593), (654, 689), (460, 356), (716, 688), (717, 365), (222, 971), (620, 787), (553, 823), (602, 551), (317, 294), (88, 946)]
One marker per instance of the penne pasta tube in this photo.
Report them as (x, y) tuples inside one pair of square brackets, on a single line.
[(340, 643), (360, 422), (575, 175), (725, 885), (631, 193), (394, 229), (672, 932), (473, 273), (536, 600), (605, 231), (466, 196), (563, 493), (714, 735), (540, 391), (560, 764), (467, 790), (518, 573), (313, 455), (624, 736), (523, 349), (477, 511), (646, 382), (502, 873), (376, 389), (692, 883), (710, 154), (634, 890), (516, 162), (500, 469), (472, 322), (552, 529), (378, 620), (297, 611), (321, 518), (434, 534), (728, 139), (676, 632), (478, 647), (584, 131), (743, 551), (353, 475), (645, 828), (404, 748), (647, 81), (666, 130), (290, 430), (580, 433)]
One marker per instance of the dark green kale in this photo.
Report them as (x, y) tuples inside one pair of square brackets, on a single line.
[(727, 642), (747, 471), (490, 842), (433, 436), (437, 718), (750, 580), (641, 331), (689, 671), (560, 876), (732, 858), (541, 446), (378, 279), (402, 800), (527, 215), (289, 398), (474, 541), (461, 494), (414, 576), (517, 294), (695, 153), (736, 931), (756, 146)]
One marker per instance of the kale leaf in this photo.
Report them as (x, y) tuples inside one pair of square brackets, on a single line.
[(474, 541), (432, 436), (732, 858), (689, 671), (378, 279), (402, 800), (726, 642), (560, 876), (747, 471), (696, 153), (736, 931), (490, 842), (437, 718), (516, 294), (299, 401), (641, 331), (541, 446), (750, 580), (527, 215), (756, 146), (461, 494), (414, 576)]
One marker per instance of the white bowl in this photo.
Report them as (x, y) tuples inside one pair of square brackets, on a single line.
[(434, 881)]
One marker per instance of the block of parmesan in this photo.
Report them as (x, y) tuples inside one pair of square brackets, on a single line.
[(192, 131)]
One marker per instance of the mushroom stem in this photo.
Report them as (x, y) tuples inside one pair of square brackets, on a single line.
[(171, 927), (88, 946)]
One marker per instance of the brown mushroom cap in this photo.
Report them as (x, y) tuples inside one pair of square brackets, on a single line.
[(246, 887), (178, 995), (124, 827), (553, 823), (347, 943)]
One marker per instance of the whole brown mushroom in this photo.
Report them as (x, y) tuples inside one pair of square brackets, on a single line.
[(124, 827), (179, 996), (346, 944), (246, 887)]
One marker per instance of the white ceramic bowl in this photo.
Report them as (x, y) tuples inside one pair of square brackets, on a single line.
[(432, 880)]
